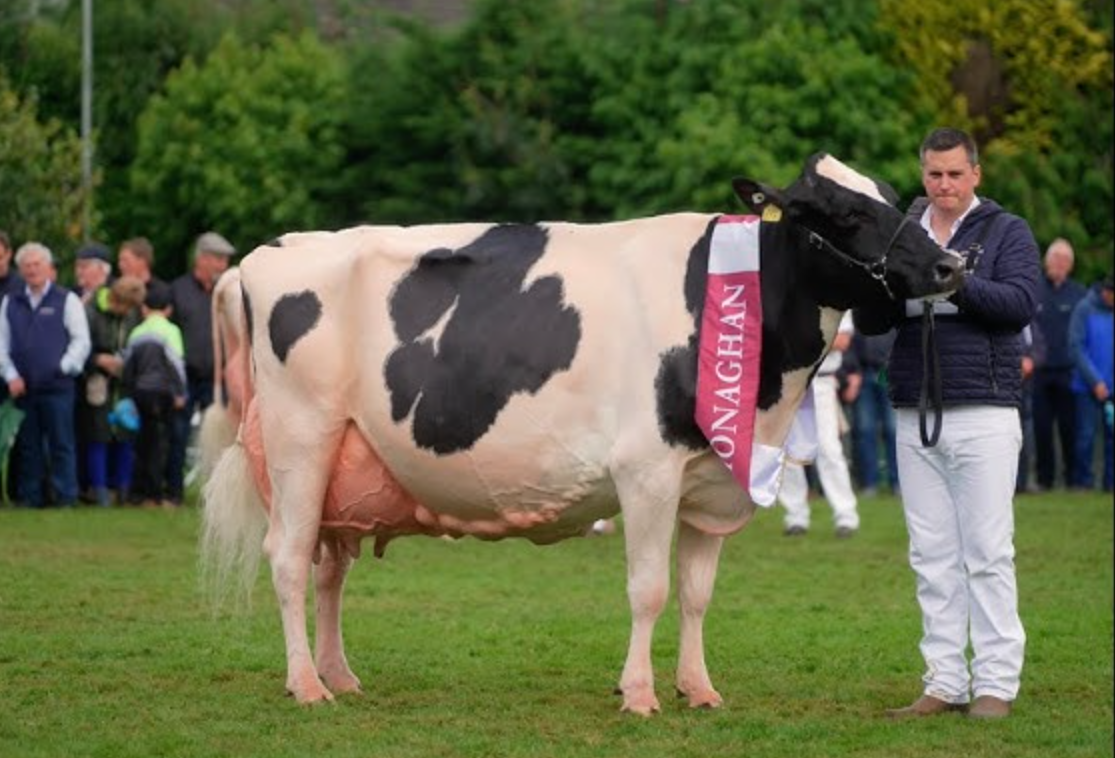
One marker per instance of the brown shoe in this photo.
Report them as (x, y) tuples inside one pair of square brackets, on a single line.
[(989, 707), (926, 705)]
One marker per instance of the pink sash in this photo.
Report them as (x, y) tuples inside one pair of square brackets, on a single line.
[(731, 344)]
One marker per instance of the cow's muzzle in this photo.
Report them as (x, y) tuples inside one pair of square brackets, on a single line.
[(948, 272)]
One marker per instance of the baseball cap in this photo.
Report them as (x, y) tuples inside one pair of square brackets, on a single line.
[(211, 242), (94, 250)]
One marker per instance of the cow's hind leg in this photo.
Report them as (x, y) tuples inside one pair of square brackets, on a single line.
[(698, 555), (290, 543), (329, 581), (648, 531)]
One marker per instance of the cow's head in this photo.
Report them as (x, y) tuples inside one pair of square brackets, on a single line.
[(852, 222)]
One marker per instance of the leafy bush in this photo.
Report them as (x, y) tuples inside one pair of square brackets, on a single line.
[(246, 143)]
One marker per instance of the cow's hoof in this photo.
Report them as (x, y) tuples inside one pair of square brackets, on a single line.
[(343, 684), (641, 702), (309, 694), (704, 698)]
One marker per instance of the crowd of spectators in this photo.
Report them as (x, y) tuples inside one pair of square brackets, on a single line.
[(108, 377)]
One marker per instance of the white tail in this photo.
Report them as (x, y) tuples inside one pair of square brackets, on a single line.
[(218, 431), (233, 525)]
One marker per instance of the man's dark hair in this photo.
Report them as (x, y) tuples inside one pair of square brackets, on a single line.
[(5, 240), (947, 138)]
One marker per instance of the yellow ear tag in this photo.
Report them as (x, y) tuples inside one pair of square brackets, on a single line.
[(772, 214)]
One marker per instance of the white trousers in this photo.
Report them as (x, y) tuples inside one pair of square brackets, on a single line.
[(832, 466), (958, 498)]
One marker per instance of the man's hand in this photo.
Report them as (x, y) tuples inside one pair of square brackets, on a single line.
[(1100, 391), (851, 391), (17, 387), (1027, 367), (109, 363)]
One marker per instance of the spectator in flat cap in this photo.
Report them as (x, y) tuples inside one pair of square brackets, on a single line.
[(191, 298), (92, 270)]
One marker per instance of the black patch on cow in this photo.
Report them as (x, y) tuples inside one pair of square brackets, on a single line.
[(406, 372), (498, 338), (675, 385), (291, 319), (249, 317), (792, 337)]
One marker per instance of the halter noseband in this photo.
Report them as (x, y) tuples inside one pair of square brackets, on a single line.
[(877, 270)]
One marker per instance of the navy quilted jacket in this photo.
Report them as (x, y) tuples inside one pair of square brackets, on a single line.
[(980, 346)]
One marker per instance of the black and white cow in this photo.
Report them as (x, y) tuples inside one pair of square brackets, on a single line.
[(526, 380)]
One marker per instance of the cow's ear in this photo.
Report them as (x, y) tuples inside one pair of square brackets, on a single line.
[(757, 196), (887, 192)]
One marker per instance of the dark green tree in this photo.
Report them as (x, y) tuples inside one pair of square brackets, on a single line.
[(41, 197), (480, 122), (707, 90), (136, 44), (246, 143)]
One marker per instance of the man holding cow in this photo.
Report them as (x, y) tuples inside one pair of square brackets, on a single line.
[(958, 493)]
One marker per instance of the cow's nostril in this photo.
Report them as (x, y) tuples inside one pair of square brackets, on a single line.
[(946, 270)]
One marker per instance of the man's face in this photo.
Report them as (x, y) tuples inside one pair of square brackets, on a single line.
[(131, 264), (1058, 264), (210, 266), (1108, 296), (950, 180), (90, 273), (35, 271)]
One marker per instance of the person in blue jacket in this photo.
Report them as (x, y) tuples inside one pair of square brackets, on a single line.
[(1054, 402), (958, 494), (1091, 335)]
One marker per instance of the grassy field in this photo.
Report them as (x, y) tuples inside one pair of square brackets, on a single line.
[(107, 648)]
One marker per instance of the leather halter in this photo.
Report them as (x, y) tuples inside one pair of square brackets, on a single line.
[(877, 269)]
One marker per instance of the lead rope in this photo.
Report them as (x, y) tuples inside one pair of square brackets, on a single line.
[(931, 359), (931, 375)]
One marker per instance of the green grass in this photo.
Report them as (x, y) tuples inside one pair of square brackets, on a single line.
[(107, 648)]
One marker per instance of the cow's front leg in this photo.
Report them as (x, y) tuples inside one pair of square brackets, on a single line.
[(295, 519), (648, 530), (329, 647), (698, 555)]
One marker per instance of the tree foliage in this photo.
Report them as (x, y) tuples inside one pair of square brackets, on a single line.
[(245, 143), (1000, 68), (481, 122), (1033, 81), (533, 109), (41, 197), (562, 108), (711, 89)]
